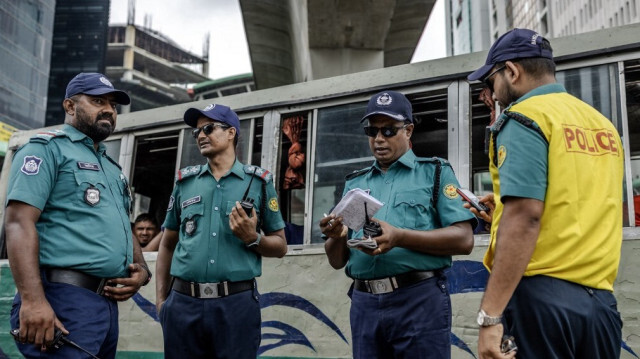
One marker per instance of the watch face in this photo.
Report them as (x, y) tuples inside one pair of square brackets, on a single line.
[(480, 318)]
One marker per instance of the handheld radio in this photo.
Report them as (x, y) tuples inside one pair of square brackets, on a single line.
[(247, 203), (371, 229)]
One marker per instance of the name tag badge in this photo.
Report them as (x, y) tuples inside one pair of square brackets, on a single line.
[(92, 196), (88, 166), (191, 201)]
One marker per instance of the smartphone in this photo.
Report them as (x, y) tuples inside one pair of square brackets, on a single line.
[(472, 199)]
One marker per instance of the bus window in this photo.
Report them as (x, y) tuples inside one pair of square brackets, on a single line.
[(341, 148), (481, 115), (190, 154), (430, 133), (153, 174), (632, 85), (292, 175)]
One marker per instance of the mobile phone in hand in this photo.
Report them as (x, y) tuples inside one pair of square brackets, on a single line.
[(472, 199)]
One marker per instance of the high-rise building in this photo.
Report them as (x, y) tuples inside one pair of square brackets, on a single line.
[(25, 47), (79, 45), (557, 18), (466, 26)]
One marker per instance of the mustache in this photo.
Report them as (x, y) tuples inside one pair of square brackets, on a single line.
[(105, 116)]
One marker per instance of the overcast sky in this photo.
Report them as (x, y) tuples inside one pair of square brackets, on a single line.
[(187, 22)]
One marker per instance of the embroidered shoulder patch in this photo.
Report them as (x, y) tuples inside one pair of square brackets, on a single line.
[(502, 155), (31, 165), (273, 204), (449, 191), (171, 200)]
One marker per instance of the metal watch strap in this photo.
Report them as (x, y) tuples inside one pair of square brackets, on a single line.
[(484, 320), (256, 242)]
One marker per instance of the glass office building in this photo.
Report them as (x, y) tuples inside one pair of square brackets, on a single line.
[(25, 48), (79, 45)]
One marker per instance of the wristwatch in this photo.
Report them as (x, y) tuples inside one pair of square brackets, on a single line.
[(256, 242), (484, 320), (148, 274)]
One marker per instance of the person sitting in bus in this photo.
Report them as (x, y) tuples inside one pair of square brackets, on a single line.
[(146, 232), (222, 218), (400, 298)]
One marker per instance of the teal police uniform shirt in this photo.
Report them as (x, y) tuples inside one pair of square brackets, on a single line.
[(84, 199), (199, 208), (406, 190)]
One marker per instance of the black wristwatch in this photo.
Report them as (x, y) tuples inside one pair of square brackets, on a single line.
[(149, 275)]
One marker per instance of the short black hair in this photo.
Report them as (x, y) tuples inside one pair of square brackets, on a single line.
[(146, 217), (534, 66)]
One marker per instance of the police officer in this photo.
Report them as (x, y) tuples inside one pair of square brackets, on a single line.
[(69, 239), (400, 300), (213, 249), (553, 257)]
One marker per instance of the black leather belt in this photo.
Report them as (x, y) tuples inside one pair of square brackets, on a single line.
[(389, 284), (73, 277), (211, 290)]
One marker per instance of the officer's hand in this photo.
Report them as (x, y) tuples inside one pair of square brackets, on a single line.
[(37, 323), (489, 201), (386, 241), (243, 226), (121, 289), (332, 227), (489, 342)]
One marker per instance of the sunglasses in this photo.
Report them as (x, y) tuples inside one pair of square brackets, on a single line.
[(387, 131), (488, 83), (208, 128)]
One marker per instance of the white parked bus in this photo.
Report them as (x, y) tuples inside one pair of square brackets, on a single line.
[(305, 307)]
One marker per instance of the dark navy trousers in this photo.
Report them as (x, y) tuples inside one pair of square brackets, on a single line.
[(196, 328), (412, 322), (552, 318), (91, 319)]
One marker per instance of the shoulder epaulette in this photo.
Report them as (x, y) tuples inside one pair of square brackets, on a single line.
[(259, 172), (435, 160), (526, 122), (46, 136), (357, 173), (187, 172)]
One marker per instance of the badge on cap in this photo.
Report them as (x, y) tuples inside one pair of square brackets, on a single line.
[(384, 100), (210, 107), (190, 226), (105, 81), (92, 196), (31, 165)]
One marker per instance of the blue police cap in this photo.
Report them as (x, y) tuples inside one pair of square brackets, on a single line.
[(93, 83), (389, 103), (220, 113), (515, 44)]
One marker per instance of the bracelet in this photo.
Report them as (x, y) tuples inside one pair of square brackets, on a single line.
[(149, 275)]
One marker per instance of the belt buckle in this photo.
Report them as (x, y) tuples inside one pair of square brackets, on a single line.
[(380, 286), (208, 290)]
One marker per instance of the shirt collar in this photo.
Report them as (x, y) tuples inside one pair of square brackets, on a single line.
[(237, 169), (543, 90), (76, 135), (408, 160)]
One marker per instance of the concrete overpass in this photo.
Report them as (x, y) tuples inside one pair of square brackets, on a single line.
[(301, 40)]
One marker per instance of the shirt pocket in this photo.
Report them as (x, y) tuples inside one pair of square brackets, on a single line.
[(90, 188), (412, 209)]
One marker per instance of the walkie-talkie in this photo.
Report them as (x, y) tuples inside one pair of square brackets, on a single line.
[(59, 340), (371, 229), (247, 203)]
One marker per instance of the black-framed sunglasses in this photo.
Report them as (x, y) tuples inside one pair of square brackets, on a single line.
[(208, 128), (488, 83), (387, 131)]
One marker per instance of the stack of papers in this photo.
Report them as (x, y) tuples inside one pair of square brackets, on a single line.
[(352, 209)]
